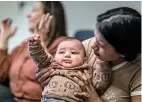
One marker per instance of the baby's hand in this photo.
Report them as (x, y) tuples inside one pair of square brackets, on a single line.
[(34, 39)]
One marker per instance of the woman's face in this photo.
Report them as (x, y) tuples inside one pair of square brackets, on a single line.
[(102, 49), (35, 15)]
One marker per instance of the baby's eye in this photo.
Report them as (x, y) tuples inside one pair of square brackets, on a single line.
[(61, 52), (74, 52)]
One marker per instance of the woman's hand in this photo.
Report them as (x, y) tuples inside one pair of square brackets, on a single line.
[(89, 94), (6, 32), (43, 28)]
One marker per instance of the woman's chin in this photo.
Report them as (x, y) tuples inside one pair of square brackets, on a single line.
[(100, 58), (31, 29)]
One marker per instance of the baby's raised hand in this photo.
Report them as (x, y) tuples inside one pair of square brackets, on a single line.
[(34, 39)]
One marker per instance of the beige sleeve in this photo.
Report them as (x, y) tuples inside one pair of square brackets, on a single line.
[(87, 44), (136, 84)]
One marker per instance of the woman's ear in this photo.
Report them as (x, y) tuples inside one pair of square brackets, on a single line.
[(85, 59)]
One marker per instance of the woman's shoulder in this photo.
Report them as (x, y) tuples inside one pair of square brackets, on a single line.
[(87, 44), (88, 41)]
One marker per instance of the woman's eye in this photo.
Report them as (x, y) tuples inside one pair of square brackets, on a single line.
[(33, 10), (101, 46)]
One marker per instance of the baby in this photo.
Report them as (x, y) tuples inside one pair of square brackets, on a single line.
[(71, 55)]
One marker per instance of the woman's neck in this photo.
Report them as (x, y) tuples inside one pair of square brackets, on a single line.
[(118, 61)]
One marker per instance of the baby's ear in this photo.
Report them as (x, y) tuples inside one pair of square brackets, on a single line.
[(85, 59)]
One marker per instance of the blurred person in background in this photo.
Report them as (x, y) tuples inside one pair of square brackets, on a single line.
[(17, 65)]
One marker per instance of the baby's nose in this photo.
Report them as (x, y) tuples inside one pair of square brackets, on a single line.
[(67, 54)]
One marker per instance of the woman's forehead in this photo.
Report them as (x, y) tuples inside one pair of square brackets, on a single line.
[(99, 37), (37, 4)]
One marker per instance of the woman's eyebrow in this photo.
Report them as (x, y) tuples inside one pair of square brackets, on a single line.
[(101, 43)]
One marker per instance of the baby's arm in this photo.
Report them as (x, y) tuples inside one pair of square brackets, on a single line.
[(37, 52)]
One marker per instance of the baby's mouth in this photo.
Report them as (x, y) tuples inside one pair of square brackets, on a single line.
[(67, 61)]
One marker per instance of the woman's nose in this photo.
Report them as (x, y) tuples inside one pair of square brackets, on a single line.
[(28, 15), (93, 44), (95, 48)]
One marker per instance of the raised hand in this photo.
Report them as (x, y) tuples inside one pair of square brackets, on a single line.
[(6, 32), (34, 39), (43, 28)]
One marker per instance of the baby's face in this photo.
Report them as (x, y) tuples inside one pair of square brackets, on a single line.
[(70, 54)]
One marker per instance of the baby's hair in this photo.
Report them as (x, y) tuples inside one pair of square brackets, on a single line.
[(73, 39), (70, 39)]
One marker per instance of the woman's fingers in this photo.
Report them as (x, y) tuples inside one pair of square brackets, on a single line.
[(81, 95), (8, 22), (41, 22), (84, 78), (88, 76), (48, 23), (44, 23), (46, 17), (78, 81), (36, 28), (14, 31), (5, 28), (3, 24)]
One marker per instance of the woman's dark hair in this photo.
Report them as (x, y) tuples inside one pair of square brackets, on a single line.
[(121, 27), (58, 25)]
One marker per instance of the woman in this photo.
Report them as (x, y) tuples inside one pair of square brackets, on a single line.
[(117, 41), (18, 65)]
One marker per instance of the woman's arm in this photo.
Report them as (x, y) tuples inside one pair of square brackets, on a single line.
[(5, 60), (5, 32), (136, 98), (4, 65)]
